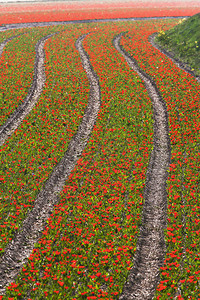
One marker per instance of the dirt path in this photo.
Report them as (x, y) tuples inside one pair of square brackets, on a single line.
[(150, 251), (38, 24), (21, 246), (33, 95)]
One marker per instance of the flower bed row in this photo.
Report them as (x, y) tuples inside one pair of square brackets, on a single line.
[(180, 273), (9, 33), (17, 69)]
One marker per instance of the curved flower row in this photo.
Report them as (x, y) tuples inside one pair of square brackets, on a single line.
[(5, 41), (17, 71), (32, 97), (180, 276), (150, 252)]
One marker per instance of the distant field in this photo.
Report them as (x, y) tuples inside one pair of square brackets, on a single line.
[(85, 10), (83, 248)]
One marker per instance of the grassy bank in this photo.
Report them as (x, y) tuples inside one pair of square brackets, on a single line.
[(184, 41)]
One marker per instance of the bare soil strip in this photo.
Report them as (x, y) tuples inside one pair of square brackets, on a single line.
[(171, 55), (32, 97), (51, 23), (21, 246), (4, 43), (150, 251)]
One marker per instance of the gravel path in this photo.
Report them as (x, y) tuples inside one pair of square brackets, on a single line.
[(171, 55), (33, 95), (150, 251), (4, 43), (38, 24), (21, 246)]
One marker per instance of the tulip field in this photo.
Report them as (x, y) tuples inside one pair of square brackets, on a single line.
[(88, 245)]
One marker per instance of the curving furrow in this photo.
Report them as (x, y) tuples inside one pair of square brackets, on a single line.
[(33, 95), (150, 252), (21, 246)]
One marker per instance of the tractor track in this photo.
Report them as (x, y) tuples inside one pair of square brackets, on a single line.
[(150, 251), (38, 24)]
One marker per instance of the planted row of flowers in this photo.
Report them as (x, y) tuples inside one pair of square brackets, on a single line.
[(9, 33), (30, 154), (17, 68), (88, 245), (180, 273)]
